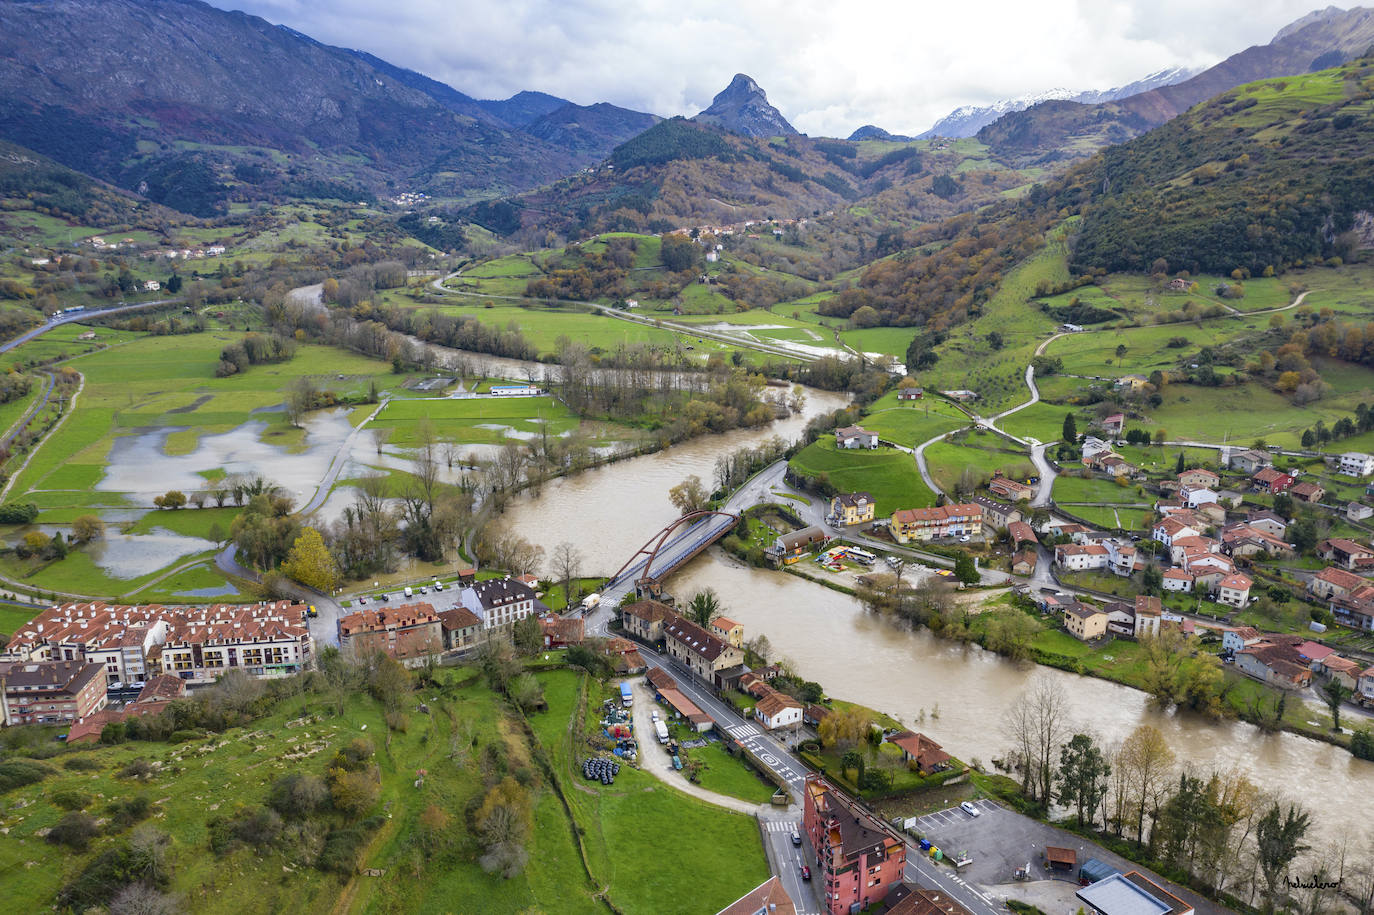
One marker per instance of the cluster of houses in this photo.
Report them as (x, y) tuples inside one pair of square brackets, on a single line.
[(714, 657), (189, 254), (414, 633), (59, 667)]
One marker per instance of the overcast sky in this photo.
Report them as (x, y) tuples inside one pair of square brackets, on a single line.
[(828, 66)]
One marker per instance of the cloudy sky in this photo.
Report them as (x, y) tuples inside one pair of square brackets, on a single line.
[(828, 66)]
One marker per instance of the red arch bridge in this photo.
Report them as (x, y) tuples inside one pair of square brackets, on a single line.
[(667, 551)]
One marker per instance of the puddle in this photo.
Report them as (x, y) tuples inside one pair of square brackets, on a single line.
[(133, 555), (222, 591), (138, 466)]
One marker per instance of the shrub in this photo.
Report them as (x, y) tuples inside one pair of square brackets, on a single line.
[(354, 755), (255, 826), (343, 846), (1362, 744), (71, 800), (75, 830), (15, 773), (297, 796), (125, 812), (137, 768), (80, 764)]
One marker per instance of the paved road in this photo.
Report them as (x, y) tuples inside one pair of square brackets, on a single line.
[(30, 413), (77, 318), (681, 544), (340, 461)]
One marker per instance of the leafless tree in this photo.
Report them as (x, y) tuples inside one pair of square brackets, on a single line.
[(1149, 762), (566, 562), (1038, 724)]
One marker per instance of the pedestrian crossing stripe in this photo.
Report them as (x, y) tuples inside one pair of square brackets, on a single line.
[(780, 825)]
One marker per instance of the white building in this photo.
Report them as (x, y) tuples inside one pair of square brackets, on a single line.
[(1357, 464), (1234, 590), (1177, 580), (1075, 558), (498, 602)]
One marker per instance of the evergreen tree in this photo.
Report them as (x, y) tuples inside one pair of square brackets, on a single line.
[(1178, 468), (1070, 428)]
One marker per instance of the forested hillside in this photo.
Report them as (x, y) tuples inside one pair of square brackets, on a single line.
[(1267, 175)]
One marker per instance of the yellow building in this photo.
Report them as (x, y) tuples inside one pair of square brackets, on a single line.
[(854, 508), (1085, 623)]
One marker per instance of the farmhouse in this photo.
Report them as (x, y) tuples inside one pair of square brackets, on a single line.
[(1177, 580), (1085, 622), (1307, 492), (1346, 553), (461, 628), (1249, 461), (1010, 489), (855, 437), (1271, 481), (1199, 477), (1336, 582), (1276, 660), (1075, 558)]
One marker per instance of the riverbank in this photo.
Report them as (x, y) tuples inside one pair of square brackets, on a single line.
[(995, 628)]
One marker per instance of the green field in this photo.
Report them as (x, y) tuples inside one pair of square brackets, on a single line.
[(967, 359), (913, 422), (159, 382), (1041, 421), (984, 454), (890, 475), (462, 420), (1091, 489)]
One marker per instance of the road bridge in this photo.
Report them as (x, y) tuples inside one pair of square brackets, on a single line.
[(666, 552)]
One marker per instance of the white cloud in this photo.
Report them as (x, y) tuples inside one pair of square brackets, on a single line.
[(829, 67)]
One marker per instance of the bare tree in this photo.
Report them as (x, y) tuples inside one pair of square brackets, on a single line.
[(566, 562), (1148, 762), (1038, 723)]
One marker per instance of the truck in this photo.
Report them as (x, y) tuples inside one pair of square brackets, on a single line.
[(661, 730), (627, 698), (410, 592), (591, 602)]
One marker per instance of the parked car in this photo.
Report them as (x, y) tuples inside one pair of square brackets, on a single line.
[(796, 837), (806, 872), (965, 539), (970, 809)]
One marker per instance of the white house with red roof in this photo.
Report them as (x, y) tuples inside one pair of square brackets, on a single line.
[(1177, 580), (1167, 529), (1234, 590)]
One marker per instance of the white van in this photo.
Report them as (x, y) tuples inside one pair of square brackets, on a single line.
[(409, 592)]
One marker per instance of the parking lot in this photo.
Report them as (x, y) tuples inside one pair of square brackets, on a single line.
[(1000, 840)]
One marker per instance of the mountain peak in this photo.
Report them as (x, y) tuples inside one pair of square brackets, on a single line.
[(742, 107)]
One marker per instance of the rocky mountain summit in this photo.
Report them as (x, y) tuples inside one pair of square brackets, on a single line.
[(743, 108)]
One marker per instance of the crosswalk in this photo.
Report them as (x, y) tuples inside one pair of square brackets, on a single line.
[(786, 826), (744, 731)]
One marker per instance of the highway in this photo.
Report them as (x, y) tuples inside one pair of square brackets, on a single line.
[(77, 318)]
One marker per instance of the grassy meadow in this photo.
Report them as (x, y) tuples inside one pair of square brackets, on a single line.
[(890, 475)]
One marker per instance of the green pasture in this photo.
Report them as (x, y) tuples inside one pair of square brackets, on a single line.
[(890, 475), (948, 460)]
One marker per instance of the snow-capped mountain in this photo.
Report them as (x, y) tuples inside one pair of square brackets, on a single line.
[(969, 119)]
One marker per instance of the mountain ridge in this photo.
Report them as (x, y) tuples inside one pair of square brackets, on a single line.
[(1054, 130)]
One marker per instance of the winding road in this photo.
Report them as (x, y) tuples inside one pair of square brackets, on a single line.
[(77, 318)]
